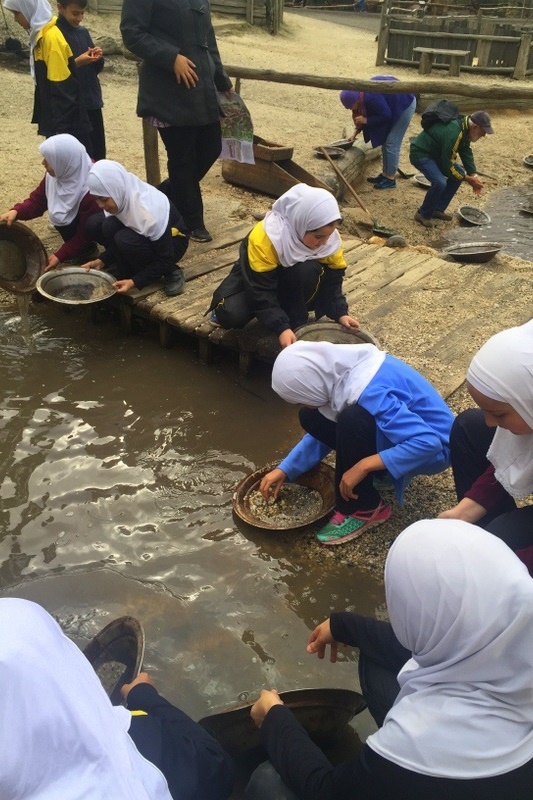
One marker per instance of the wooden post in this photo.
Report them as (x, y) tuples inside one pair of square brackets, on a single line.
[(523, 57), (238, 85), (151, 153), (250, 12), (383, 35)]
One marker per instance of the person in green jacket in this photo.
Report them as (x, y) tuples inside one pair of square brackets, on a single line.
[(434, 152)]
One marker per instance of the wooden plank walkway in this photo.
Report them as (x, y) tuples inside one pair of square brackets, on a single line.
[(431, 312)]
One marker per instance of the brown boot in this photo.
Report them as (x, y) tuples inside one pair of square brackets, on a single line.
[(442, 215), (427, 223)]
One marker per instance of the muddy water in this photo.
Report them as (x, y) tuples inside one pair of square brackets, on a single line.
[(117, 464), (510, 225)]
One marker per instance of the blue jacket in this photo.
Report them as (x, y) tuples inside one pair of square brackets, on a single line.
[(382, 112), (413, 426)]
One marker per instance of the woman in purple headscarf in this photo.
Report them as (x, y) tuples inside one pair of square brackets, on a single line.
[(383, 119)]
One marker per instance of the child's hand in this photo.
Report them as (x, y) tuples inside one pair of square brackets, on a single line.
[(185, 71), (53, 261), (286, 338), (96, 264), (96, 53), (353, 476), (348, 322), (9, 217), (320, 638), (261, 707), (88, 57), (142, 677), (271, 484), (124, 286)]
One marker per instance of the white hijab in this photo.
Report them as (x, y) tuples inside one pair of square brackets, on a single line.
[(141, 207), (324, 375), (60, 737), (462, 603), (38, 13), (71, 163), (303, 208), (503, 370)]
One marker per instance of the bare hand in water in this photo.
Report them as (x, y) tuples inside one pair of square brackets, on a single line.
[(271, 484)]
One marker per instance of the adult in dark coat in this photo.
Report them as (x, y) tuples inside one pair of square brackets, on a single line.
[(178, 83)]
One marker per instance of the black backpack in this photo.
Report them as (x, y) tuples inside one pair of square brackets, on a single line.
[(441, 111)]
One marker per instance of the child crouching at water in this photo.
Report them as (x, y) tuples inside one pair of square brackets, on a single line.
[(378, 414), (64, 193), (290, 263), (140, 228)]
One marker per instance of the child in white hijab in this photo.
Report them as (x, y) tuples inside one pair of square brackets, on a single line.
[(62, 739), (64, 193), (460, 718), (289, 264), (57, 106), (379, 415), (492, 446), (140, 228)]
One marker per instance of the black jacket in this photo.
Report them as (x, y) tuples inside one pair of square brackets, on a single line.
[(80, 40), (157, 31)]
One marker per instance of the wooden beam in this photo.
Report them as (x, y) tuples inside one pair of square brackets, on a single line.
[(151, 153), (387, 87), (484, 37)]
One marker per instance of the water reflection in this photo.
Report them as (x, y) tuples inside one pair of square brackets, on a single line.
[(511, 225), (117, 467)]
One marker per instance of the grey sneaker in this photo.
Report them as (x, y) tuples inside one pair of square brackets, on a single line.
[(175, 282)]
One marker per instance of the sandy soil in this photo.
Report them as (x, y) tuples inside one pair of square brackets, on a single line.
[(299, 116)]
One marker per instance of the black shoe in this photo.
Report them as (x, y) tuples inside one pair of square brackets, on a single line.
[(200, 235), (175, 282), (376, 179)]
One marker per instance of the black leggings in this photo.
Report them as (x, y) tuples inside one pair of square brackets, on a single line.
[(191, 152), (353, 437)]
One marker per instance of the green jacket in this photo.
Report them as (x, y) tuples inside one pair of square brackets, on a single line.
[(444, 143)]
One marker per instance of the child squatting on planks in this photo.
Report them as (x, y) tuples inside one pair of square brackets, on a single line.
[(449, 680), (141, 230), (382, 418), (64, 193), (65, 740), (290, 263), (492, 446)]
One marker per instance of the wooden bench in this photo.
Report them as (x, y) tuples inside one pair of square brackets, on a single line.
[(427, 55)]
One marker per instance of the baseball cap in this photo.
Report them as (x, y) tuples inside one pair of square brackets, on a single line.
[(482, 120)]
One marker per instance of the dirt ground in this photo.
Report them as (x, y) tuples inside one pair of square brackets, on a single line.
[(299, 116)]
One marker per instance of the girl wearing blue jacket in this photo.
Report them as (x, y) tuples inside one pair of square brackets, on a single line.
[(383, 119), (381, 417)]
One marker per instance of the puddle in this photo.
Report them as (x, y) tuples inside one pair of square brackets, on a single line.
[(118, 461), (510, 225)]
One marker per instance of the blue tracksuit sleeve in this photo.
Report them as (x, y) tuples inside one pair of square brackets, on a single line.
[(307, 454)]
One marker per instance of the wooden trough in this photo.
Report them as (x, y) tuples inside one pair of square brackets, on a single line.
[(273, 173)]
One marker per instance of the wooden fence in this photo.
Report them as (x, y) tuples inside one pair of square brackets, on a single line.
[(494, 45), (266, 13)]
